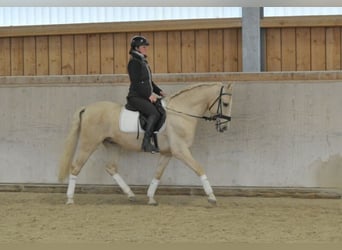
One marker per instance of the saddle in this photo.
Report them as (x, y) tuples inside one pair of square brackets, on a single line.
[(132, 120)]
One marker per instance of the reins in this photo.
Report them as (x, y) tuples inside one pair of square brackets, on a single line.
[(215, 117), (207, 118)]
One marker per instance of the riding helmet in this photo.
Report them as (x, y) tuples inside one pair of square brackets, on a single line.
[(139, 41)]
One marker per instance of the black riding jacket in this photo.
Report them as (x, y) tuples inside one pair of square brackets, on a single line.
[(140, 76)]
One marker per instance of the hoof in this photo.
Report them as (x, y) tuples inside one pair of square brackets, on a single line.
[(70, 202), (212, 199), (212, 202), (152, 202), (132, 198)]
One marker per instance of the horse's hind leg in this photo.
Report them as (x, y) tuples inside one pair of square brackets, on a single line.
[(83, 154), (162, 163), (112, 170)]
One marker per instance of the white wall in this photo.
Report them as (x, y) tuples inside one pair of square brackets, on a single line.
[(284, 134)]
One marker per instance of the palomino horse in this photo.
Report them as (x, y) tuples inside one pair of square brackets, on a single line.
[(99, 123)]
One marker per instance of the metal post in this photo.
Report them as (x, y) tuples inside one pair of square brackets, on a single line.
[(251, 39)]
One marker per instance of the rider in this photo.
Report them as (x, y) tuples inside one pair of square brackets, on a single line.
[(142, 90)]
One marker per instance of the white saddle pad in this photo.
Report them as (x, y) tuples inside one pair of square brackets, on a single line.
[(129, 121)]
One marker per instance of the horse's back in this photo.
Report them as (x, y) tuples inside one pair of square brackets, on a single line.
[(102, 111), (103, 106)]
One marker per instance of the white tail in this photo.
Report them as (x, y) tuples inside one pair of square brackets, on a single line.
[(70, 146)]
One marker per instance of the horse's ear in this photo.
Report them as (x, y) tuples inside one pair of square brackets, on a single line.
[(229, 85)]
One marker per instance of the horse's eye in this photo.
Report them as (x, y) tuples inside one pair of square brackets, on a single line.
[(225, 104)]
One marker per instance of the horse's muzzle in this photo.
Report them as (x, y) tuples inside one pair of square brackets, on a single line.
[(221, 129), (221, 126)]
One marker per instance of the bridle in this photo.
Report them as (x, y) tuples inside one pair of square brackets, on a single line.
[(218, 117), (220, 125)]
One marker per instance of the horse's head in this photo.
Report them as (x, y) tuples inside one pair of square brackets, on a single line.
[(218, 101), (221, 107)]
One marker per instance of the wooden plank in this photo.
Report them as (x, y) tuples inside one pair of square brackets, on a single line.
[(318, 49), (273, 50), (188, 51), (333, 48), (301, 21), (17, 56), (68, 55), (230, 54), (216, 50), (168, 25), (202, 50), (107, 53), (55, 56), (239, 50), (160, 52), (81, 55), (121, 53), (174, 52), (303, 51), (119, 27), (93, 54), (306, 77), (42, 54), (29, 56), (223, 191), (5, 57), (288, 49)]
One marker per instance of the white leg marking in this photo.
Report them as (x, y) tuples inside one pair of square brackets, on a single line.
[(71, 189), (207, 189), (153, 187), (151, 191), (125, 188), (206, 185)]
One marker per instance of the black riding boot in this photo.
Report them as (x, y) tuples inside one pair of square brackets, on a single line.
[(155, 141), (146, 144)]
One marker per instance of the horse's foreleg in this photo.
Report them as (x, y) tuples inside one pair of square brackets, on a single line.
[(71, 189), (162, 163), (112, 170), (208, 189), (184, 154)]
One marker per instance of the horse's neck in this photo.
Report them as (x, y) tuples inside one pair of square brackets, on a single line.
[(195, 100)]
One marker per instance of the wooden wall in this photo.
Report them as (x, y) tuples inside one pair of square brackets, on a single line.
[(303, 46), (184, 46), (103, 48)]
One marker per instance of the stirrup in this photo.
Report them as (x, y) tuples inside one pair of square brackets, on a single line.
[(156, 150), (149, 148)]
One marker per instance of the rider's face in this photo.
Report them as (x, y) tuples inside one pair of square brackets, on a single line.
[(143, 49)]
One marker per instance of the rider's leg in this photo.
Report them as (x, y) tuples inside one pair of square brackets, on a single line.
[(150, 111), (147, 146)]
